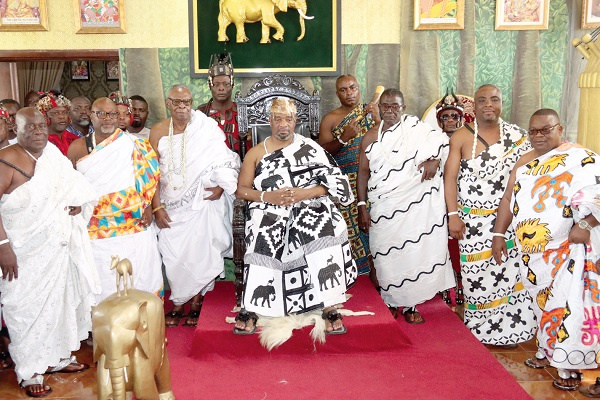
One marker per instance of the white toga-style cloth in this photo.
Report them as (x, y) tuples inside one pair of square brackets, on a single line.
[(408, 231), (200, 234), (48, 308)]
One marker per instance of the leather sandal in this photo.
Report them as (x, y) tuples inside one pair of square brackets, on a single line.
[(332, 316), (245, 316)]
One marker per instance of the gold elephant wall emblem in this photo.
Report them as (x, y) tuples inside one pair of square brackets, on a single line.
[(240, 12)]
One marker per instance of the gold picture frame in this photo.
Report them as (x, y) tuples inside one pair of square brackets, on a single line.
[(439, 14), (590, 14), (522, 16), (22, 17), (99, 16)]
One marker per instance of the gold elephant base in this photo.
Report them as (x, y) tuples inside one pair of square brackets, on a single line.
[(589, 118), (129, 346)]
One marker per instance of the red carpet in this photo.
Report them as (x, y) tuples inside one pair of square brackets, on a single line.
[(444, 361)]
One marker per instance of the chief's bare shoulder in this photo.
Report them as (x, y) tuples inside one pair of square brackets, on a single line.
[(77, 150), (9, 154)]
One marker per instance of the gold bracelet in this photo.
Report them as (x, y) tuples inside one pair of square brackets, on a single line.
[(158, 208)]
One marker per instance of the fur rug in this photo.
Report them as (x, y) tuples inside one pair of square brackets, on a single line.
[(274, 331)]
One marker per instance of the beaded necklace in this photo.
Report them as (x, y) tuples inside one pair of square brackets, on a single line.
[(181, 170)]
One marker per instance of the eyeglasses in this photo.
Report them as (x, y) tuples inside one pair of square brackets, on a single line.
[(543, 131), (392, 107), (52, 113), (178, 102), (104, 114), (454, 116)]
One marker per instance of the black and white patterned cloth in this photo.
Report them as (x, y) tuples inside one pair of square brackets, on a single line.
[(298, 258)]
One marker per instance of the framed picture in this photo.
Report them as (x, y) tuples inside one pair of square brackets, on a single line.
[(113, 71), (439, 14), (302, 39), (100, 16), (522, 15), (20, 15), (80, 71), (590, 14)]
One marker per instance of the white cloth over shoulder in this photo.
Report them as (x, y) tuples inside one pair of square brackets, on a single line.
[(57, 277), (407, 215), (200, 234)]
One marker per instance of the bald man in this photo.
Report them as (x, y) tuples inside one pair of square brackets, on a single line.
[(125, 173), (49, 280)]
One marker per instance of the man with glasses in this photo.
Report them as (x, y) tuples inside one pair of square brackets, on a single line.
[(195, 208), (49, 280), (449, 114), (221, 107), (55, 107), (341, 133), (551, 200), (124, 171), (497, 307), (80, 124), (400, 171)]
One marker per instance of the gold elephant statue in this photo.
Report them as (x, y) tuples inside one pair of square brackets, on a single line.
[(129, 346), (240, 12)]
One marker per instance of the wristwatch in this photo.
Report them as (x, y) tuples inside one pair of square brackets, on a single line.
[(583, 224)]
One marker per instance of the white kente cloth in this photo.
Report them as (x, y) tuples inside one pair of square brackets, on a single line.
[(560, 276), (200, 234), (298, 258), (497, 306), (111, 171), (48, 308), (407, 215)]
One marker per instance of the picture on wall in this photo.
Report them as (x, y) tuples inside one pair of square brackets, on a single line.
[(80, 71), (439, 14), (590, 14), (293, 37), (22, 15), (522, 15), (113, 71), (100, 16)]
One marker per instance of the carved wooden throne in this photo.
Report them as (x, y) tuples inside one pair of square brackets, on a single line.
[(253, 119)]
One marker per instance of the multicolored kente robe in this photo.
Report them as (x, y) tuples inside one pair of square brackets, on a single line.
[(124, 171), (497, 306), (298, 258), (347, 159), (549, 193)]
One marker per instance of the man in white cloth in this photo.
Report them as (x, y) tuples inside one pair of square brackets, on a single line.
[(401, 162), (199, 177), (298, 257), (497, 307), (124, 172), (49, 279), (547, 199)]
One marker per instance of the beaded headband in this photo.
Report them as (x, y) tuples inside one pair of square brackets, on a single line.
[(50, 100), (220, 64), (449, 102), (120, 99)]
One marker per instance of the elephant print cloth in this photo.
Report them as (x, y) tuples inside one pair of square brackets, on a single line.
[(48, 308), (124, 171), (347, 159), (408, 215), (497, 306), (298, 258), (550, 193), (200, 234)]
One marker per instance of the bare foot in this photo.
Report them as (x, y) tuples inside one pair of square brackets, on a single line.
[(173, 317), (35, 387), (245, 323), (412, 316), (333, 321)]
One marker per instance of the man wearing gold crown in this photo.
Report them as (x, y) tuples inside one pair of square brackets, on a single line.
[(450, 118), (497, 306), (551, 200), (221, 107), (341, 133), (195, 208), (298, 255), (124, 171), (55, 107)]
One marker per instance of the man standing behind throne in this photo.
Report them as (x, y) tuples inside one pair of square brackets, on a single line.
[(341, 133)]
